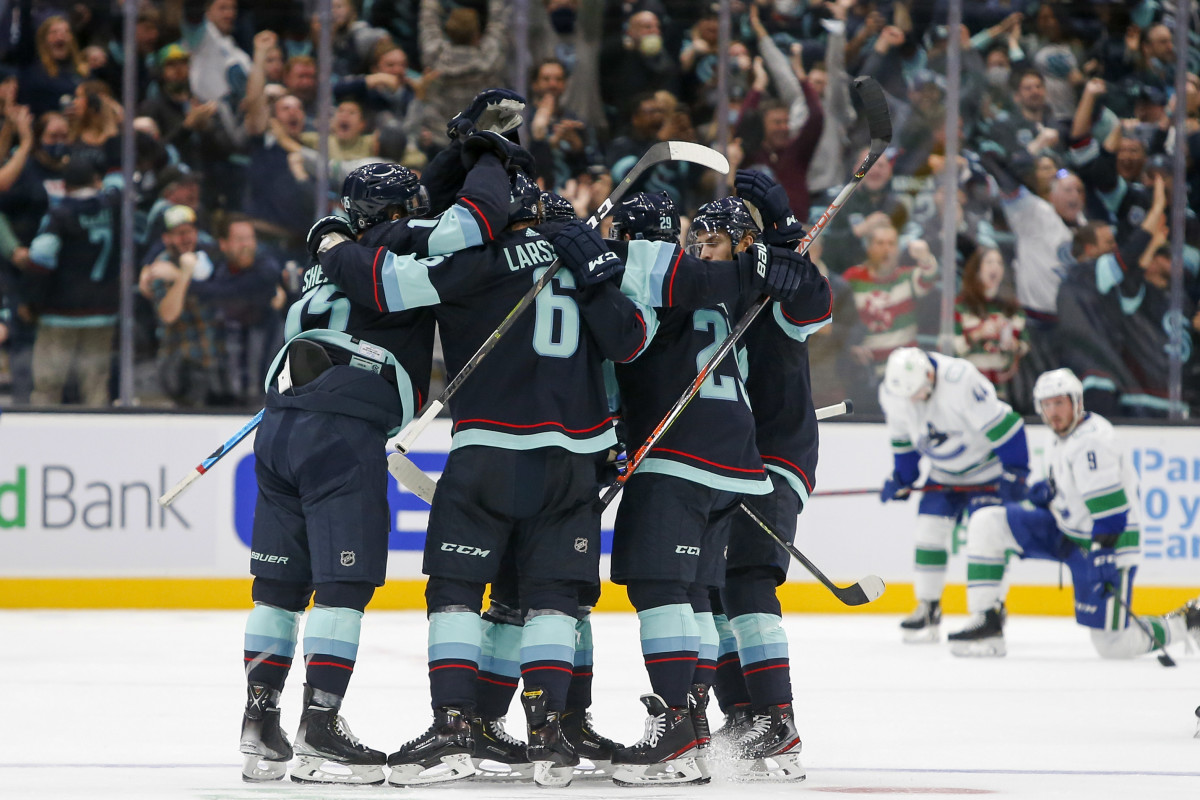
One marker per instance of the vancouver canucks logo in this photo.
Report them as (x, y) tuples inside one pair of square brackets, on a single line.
[(934, 437)]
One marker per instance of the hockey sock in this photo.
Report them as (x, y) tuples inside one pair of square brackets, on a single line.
[(932, 540), (706, 657), (730, 687), (499, 669), (331, 647), (989, 540), (548, 654), (270, 644), (579, 696), (670, 643), (763, 649), (455, 643), (985, 582), (1132, 642)]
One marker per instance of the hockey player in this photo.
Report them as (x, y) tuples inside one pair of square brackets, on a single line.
[(942, 408), (350, 376), (1084, 515)]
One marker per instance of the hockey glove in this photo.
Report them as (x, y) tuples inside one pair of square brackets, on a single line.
[(1041, 493), (585, 254), (497, 110), (1012, 488), (511, 154), (894, 489), (331, 226), (780, 225), (776, 271), (1104, 576)]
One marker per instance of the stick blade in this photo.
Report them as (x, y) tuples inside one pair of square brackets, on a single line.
[(411, 477), (874, 106), (865, 591), (698, 154)]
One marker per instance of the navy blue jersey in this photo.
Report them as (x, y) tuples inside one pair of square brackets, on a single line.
[(543, 385), (779, 385), (76, 257)]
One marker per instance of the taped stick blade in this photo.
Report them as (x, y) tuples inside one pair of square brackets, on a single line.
[(874, 107), (867, 590), (411, 477), (698, 154)]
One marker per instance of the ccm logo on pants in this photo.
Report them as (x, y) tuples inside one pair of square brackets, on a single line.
[(464, 549), (687, 551)]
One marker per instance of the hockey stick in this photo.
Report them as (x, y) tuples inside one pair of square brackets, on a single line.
[(657, 154), (1163, 657), (879, 123), (204, 466), (929, 487)]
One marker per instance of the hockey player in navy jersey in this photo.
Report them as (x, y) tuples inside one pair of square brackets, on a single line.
[(350, 376)]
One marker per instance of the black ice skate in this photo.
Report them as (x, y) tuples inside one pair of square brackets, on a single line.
[(1190, 613), (264, 744), (666, 755), (442, 753), (770, 748), (496, 754), (326, 750), (698, 708), (924, 625), (737, 722), (595, 751), (553, 756), (983, 637)]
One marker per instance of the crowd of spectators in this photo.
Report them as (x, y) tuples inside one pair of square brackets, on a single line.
[(1063, 171)]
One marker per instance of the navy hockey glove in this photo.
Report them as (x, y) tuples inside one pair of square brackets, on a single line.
[(776, 271), (585, 253), (496, 110), (894, 489), (511, 154), (1104, 576), (1012, 488), (332, 224), (780, 225), (1041, 493)]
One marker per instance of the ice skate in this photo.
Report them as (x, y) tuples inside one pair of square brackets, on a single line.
[(595, 751), (924, 625), (698, 707), (326, 750), (770, 748), (1190, 612), (983, 637), (264, 745), (666, 755), (442, 753), (496, 754), (1197, 734), (553, 756), (737, 722)]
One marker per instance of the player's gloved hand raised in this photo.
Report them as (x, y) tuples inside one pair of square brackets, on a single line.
[(1103, 573), (1011, 487), (776, 271), (497, 110), (895, 489), (580, 247), (780, 225), (1041, 493), (332, 226), (511, 154)]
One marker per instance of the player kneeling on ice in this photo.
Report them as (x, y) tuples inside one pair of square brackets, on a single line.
[(944, 409), (1084, 515)]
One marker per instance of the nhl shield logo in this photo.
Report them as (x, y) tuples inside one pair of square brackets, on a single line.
[(347, 558), (581, 545)]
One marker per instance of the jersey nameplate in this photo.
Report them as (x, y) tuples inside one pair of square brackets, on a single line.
[(313, 276)]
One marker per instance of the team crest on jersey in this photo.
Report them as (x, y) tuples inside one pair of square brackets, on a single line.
[(347, 558), (581, 545), (934, 437)]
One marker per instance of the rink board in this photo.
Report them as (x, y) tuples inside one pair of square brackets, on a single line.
[(80, 528)]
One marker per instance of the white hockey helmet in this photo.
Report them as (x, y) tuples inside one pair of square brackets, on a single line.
[(909, 372), (1059, 383)]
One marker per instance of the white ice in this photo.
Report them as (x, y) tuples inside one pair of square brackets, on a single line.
[(137, 705)]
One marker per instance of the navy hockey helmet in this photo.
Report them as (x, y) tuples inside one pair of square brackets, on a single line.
[(646, 216), (524, 199), (373, 192), (556, 207), (727, 215)]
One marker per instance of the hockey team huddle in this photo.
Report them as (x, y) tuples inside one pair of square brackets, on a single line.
[(618, 333)]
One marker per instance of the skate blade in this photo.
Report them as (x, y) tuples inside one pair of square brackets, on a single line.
[(931, 634), (979, 648), (668, 773), (589, 770), (778, 768), (451, 768), (317, 769), (255, 768), (551, 775), (500, 772)]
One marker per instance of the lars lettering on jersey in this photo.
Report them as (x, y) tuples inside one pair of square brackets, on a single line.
[(529, 254)]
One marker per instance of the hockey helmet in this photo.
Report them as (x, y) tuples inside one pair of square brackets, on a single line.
[(524, 199), (373, 192), (646, 216), (1059, 383), (727, 215), (556, 207), (909, 373)]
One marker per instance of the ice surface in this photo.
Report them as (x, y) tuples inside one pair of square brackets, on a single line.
[(140, 705)]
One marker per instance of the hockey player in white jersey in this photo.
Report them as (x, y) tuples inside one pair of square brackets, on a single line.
[(1084, 515), (945, 410)]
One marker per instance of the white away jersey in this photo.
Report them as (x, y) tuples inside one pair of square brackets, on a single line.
[(957, 428), (1093, 479)]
